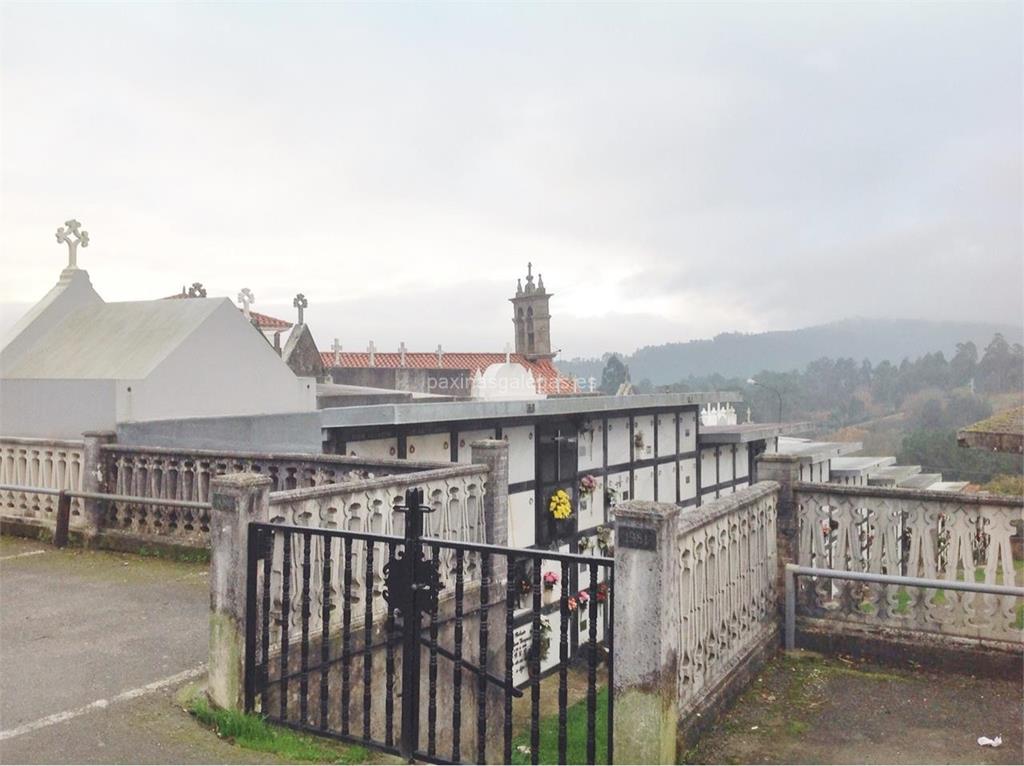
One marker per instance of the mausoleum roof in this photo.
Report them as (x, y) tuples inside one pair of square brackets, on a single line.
[(121, 341)]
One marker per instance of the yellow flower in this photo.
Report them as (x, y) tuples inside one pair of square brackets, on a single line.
[(560, 505)]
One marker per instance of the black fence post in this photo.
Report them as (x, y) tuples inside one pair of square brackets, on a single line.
[(60, 533), (410, 735)]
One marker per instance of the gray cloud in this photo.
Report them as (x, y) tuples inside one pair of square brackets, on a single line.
[(675, 170)]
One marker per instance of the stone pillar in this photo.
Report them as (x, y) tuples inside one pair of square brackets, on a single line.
[(237, 499), (95, 479), (494, 454), (784, 469), (646, 633)]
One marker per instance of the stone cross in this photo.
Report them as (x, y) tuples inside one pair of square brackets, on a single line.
[(300, 303), (440, 356), (373, 354), (508, 353), (246, 298), (72, 235), (401, 354), (336, 348), (750, 419), (197, 290)]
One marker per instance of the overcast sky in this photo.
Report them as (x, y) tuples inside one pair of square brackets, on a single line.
[(673, 170)]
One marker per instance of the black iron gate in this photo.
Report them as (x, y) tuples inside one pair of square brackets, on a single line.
[(382, 619)]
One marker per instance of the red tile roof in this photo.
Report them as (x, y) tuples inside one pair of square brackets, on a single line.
[(263, 321), (549, 379)]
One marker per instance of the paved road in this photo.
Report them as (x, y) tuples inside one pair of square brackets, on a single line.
[(93, 646)]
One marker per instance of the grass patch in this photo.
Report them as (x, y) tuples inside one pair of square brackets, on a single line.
[(796, 728), (253, 733), (576, 735)]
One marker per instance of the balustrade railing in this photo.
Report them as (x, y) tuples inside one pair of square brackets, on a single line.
[(185, 475), (726, 569), (455, 494), (930, 535), (45, 463)]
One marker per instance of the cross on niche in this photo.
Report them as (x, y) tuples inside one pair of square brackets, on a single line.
[(372, 349), (336, 348), (73, 235), (245, 297), (508, 353), (401, 354), (440, 355), (300, 303), (197, 290)]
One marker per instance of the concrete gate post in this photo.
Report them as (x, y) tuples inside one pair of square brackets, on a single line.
[(646, 633), (784, 469), (494, 454), (237, 499), (94, 478)]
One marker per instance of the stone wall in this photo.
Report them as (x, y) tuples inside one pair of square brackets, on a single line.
[(696, 614)]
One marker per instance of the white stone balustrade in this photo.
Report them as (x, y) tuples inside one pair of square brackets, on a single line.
[(44, 463), (934, 535), (456, 493), (186, 475), (695, 608)]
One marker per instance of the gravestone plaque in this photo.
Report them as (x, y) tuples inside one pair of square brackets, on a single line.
[(640, 538), (223, 502)]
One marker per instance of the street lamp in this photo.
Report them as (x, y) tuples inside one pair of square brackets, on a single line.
[(752, 382)]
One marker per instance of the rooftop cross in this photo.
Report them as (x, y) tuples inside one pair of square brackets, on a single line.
[(197, 290), (300, 303), (508, 353), (440, 356), (245, 297), (71, 234), (336, 348), (372, 349), (401, 354)]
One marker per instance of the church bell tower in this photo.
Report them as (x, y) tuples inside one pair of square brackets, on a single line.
[(531, 317)]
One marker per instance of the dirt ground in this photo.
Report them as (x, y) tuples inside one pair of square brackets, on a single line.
[(807, 709)]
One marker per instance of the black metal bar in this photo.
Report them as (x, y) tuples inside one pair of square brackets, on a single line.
[(409, 740), (510, 607), (457, 670), (286, 607), (592, 670), (325, 630), (432, 673), (609, 640), (367, 637), (346, 638), (307, 542), (535, 638), (389, 670), (454, 545), (481, 686), (563, 666), (60, 532), (266, 537), (251, 562)]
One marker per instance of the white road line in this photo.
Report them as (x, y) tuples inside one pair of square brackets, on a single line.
[(131, 694), (19, 555)]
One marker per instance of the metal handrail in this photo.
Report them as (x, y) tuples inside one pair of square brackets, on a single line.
[(105, 496), (794, 570)]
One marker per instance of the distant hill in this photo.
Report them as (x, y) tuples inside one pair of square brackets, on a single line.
[(738, 354)]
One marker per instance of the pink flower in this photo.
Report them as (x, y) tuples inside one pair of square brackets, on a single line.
[(550, 578), (570, 604), (583, 597)]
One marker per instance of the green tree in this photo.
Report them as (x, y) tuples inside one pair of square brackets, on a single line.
[(615, 373)]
